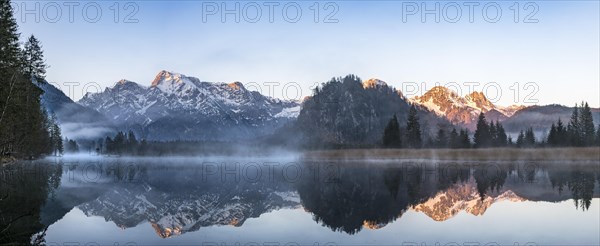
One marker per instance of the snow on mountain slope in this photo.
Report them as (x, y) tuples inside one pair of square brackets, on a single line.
[(461, 110), (176, 106)]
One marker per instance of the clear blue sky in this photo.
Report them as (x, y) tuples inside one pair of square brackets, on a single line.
[(560, 53)]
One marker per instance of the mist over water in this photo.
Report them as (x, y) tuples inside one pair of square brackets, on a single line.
[(294, 200)]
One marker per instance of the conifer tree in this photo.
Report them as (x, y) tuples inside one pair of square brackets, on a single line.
[(521, 139), (482, 136), (34, 64), (464, 139), (441, 140), (586, 122), (413, 129), (574, 129), (391, 134), (501, 138), (453, 139)]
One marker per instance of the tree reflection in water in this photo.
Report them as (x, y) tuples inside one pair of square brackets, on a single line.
[(345, 197)]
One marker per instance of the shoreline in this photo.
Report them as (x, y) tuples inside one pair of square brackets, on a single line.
[(489, 154)]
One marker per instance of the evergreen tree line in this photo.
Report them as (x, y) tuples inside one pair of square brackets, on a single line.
[(26, 130), (395, 136), (489, 135), (579, 132)]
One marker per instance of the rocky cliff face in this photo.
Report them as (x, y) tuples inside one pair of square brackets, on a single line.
[(462, 110), (176, 106)]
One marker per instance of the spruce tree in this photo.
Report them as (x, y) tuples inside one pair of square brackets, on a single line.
[(574, 129), (35, 66), (501, 139), (454, 140), (23, 126), (552, 136), (493, 134), (586, 122), (561, 134), (529, 138), (482, 133), (598, 136), (391, 134), (521, 139), (441, 140), (413, 129), (464, 139)]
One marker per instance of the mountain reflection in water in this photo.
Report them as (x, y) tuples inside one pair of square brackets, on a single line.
[(183, 196)]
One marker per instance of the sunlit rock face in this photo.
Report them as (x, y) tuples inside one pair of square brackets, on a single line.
[(463, 110), (176, 106), (462, 197)]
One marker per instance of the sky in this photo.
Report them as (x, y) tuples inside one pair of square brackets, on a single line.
[(539, 52)]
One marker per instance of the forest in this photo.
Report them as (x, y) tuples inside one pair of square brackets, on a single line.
[(27, 131)]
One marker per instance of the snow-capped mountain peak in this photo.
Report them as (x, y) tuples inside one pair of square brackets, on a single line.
[(176, 106), (462, 110), (170, 82)]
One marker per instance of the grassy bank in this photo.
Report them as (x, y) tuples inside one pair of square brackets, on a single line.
[(505, 154)]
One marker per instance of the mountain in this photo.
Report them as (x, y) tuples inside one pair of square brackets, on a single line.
[(462, 197), (540, 118), (347, 111), (462, 110), (176, 106), (76, 121)]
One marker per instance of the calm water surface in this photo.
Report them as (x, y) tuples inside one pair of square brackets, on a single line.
[(165, 201)]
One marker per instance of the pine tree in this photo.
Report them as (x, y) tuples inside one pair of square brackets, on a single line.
[(454, 140), (586, 122), (35, 66), (598, 136), (529, 138), (56, 137), (132, 143), (413, 129), (493, 134), (109, 145), (119, 143), (23, 126), (574, 129), (482, 133), (441, 140), (464, 139), (391, 134), (520, 139), (561, 134), (501, 139), (552, 136)]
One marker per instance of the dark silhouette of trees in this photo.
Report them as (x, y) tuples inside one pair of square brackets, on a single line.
[(558, 135), (586, 120), (465, 140), (574, 128), (489, 135), (482, 137), (391, 134), (413, 129), (579, 132), (71, 146), (598, 136), (35, 66), (56, 140), (441, 139), (23, 123), (526, 139)]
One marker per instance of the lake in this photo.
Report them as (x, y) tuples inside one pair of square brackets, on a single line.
[(292, 201)]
